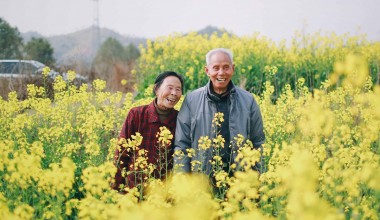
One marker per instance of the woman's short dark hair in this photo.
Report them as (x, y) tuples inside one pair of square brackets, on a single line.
[(161, 77)]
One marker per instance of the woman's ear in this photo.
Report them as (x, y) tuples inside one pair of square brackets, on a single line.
[(155, 90)]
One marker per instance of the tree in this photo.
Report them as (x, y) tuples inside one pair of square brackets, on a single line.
[(132, 52), (10, 41), (40, 49), (114, 62), (111, 52)]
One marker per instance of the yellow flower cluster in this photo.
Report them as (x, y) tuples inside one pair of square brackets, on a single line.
[(164, 137)]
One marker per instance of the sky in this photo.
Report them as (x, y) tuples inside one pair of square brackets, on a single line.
[(276, 19)]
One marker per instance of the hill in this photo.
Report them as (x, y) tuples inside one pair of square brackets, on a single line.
[(211, 29), (78, 48)]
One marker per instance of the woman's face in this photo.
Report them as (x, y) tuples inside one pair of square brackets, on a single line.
[(169, 93)]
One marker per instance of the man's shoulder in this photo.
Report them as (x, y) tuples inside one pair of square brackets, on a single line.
[(243, 92), (245, 96), (196, 93)]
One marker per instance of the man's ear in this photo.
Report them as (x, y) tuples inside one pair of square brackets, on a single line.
[(206, 70), (233, 67)]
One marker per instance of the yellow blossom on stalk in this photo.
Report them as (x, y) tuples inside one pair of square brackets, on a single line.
[(71, 75), (123, 82), (131, 143), (239, 140), (216, 160), (190, 152), (59, 84), (247, 157), (19, 169), (34, 91), (99, 85), (92, 148), (196, 166), (97, 179), (271, 70), (179, 153), (218, 119), (45, 71), (164, 137), (218, 141), (221, 178), (204, 143), (72, 203), (243, 190), (49, 184), (140, 163)]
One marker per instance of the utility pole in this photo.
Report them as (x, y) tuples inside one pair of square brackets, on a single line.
[(95, 29), (95, 39)]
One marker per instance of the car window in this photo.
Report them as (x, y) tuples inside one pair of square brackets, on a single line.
[(27, 68), (2, 68), (9, 67)]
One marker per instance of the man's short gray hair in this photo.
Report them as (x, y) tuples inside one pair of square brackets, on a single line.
[(216, 50)]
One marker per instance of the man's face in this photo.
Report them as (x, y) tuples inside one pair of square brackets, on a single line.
[(220, 71), (169, 93)]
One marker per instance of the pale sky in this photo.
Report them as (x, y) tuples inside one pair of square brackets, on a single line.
[(276, 19)]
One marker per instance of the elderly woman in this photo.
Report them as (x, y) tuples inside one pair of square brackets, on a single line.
[(147, 120)]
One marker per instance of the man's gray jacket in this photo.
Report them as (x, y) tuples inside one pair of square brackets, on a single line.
[(195, 117)]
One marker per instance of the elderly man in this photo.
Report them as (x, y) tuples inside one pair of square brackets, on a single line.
[(241, 116)]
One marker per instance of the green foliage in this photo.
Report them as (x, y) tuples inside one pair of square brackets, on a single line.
[(132, 52), (10, 41), (40, 49)]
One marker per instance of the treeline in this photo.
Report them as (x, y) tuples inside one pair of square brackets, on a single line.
[(13, 47), (113, 61)]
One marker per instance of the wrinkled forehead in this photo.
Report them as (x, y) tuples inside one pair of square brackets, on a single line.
[(172, 80), (219, 58)]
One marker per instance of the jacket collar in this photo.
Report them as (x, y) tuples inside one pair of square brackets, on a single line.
[(213, 96)]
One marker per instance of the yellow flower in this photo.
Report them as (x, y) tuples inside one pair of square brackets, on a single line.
[(164, 137), (71, 75), (45, 71), (204, 142), (99, 85)]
